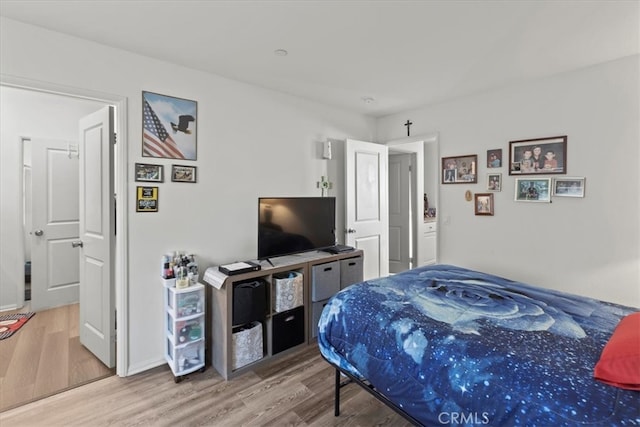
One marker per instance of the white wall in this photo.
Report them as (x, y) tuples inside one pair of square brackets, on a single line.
[(251, 142), (587, 246)]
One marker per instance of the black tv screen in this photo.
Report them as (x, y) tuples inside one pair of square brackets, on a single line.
[(288, 225)]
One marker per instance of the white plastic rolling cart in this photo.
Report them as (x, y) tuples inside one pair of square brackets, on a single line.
[(184, 328)]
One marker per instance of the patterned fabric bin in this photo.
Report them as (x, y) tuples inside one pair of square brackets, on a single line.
[(247, 345), (287, 291)]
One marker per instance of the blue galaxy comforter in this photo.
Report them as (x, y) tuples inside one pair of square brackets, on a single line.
[(454, 346)]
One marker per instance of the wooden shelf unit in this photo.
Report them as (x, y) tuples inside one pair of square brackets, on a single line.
[(220, 307)]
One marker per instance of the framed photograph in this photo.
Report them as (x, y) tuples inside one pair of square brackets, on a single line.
[(538, 156), (460, 169), (494, 158), (146, 199), (494, 182), (181, 173), (484, 204), (533, 190), (568, 187), (149, 173), (169, 127)]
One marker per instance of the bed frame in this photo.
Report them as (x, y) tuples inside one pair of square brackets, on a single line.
[(369, 388)]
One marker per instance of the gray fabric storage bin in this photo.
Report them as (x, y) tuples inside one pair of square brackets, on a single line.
[(317, 312), (350, 271), (325, 280)]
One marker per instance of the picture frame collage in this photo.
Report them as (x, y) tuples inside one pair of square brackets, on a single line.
[(526, 159), (169, 131)]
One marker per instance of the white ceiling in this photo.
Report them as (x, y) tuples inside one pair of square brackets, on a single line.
[(403, 54)]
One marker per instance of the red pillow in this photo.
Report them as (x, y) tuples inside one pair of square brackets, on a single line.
[(619, 363)]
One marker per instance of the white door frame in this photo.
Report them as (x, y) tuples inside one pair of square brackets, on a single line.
[(418, 144), (121, 158), (402, 188)]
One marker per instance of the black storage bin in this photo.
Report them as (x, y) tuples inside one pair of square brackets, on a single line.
[(288, 329), (249, 302)]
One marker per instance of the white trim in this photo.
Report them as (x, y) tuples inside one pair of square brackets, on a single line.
[(417, 144), (122, 237)]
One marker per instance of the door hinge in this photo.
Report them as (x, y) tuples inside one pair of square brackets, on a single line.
[(115, 138)]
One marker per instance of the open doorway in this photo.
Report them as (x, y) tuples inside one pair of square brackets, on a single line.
[(421, 185), (41, 113), (402, 189), (366, 186)]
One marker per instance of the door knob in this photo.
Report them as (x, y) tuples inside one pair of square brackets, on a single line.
[(38, 233), (77, 244), (351, 230)]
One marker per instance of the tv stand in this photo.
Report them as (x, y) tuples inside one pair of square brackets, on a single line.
[(269, 261), (321, 275)]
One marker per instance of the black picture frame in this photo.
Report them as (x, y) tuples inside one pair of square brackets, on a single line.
[(483, 204), (460, 169), (529, 156), (494, 158), (145, 172), (183, 173)]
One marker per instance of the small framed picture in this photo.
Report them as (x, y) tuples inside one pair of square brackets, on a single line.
[(146, 199), (149, 173), (494, 158), (568, 187), (181, 173), (460, 169), (533, 190), (494, 182), (484, 204), (538, 156)]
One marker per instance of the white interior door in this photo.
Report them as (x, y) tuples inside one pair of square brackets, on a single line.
[(97, 231), (367, 211), (54, 206), (399, 212)]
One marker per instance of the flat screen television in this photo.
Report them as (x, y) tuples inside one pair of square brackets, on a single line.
[(288, 225)]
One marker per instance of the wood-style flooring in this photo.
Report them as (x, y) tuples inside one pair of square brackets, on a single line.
[(45, 357), (296, 390)]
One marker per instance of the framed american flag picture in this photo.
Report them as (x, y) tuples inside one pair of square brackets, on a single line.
[(169, 127)]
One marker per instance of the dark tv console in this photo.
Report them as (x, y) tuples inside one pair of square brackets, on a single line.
[(320, 275)]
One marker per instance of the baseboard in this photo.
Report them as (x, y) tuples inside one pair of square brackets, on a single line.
[(139, 368)]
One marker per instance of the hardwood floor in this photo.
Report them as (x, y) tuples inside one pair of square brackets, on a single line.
[(45, 357), (296, 390)]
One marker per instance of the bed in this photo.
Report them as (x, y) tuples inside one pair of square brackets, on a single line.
[(447, 345)]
